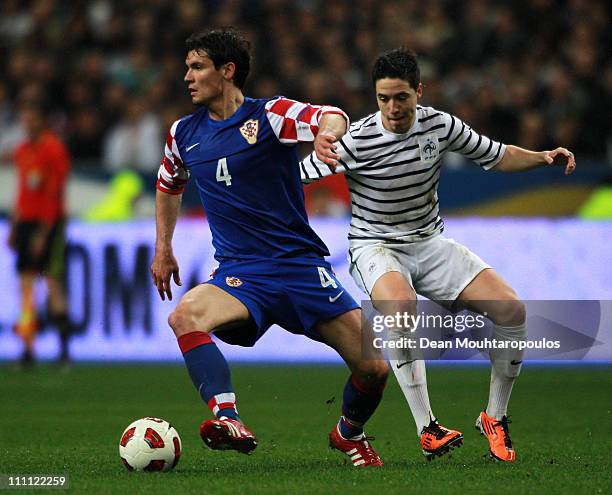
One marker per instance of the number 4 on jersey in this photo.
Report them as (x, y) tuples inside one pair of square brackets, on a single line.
[(326, 279), (223, 174)]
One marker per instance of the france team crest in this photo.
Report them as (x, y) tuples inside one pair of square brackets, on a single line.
[(428, 147), (249, 131)]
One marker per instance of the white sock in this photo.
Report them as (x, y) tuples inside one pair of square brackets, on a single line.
[(499, 394), (412, 379), (506, 366)]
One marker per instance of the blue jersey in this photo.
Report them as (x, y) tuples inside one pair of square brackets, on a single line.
[(247, 173)]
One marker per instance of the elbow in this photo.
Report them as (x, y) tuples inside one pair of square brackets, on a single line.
[(505, 164)]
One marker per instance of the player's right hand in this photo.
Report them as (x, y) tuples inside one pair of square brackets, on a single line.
[(164, 267), (325, 149)]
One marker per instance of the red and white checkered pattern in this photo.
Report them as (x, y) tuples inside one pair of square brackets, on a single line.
[(293, 121), (172, 175)]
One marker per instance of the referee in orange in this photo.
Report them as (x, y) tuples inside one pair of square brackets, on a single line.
[(37, 228)]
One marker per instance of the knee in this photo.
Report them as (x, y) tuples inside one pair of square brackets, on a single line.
[(398, 307), (406, 306), (373, 373), (509, 313), (178, 321), (184, 319)]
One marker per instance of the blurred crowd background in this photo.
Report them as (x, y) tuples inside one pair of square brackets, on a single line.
[(536, 73)]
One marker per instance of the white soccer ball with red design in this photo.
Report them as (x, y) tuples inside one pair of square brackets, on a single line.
[(150, 444)]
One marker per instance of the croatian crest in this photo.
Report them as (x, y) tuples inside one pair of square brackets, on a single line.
[(249, 131), (429, 148), (233, 281)]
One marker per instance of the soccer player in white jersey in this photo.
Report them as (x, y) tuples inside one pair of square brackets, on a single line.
[(392, 160)]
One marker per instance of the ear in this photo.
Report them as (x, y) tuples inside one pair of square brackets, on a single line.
[(419, 91), (229, 70)]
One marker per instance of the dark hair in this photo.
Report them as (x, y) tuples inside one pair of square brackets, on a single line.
[(223, 46), (400, 63)]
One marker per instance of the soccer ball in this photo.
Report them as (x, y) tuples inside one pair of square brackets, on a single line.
[(150, 444)]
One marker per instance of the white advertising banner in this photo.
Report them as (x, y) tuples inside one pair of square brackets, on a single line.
[(118, 316)]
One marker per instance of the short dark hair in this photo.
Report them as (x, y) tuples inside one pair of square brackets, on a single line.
[(223, 46), (400, 63)]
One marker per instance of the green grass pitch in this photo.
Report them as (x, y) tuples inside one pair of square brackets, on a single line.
[(53, 422)]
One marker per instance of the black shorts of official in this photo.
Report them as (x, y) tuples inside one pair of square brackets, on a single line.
[(51, 261)]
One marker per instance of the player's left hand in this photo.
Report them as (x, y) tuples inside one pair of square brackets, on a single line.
[(561, 156), (325, 149)]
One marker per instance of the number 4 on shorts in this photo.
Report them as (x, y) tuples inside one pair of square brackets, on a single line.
[(326, 279)]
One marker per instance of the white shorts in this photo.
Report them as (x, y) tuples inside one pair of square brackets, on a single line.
[(437, 268)]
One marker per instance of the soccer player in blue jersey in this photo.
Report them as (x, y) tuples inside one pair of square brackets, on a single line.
[(241, 153)]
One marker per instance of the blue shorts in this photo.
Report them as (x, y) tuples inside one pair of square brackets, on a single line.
[(293, 293)]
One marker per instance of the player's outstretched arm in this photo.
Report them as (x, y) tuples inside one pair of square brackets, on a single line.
[(296, 122), (164, 265), (517, 159)]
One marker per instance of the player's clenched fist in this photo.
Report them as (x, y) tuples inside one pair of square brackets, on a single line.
[(163, 267)]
